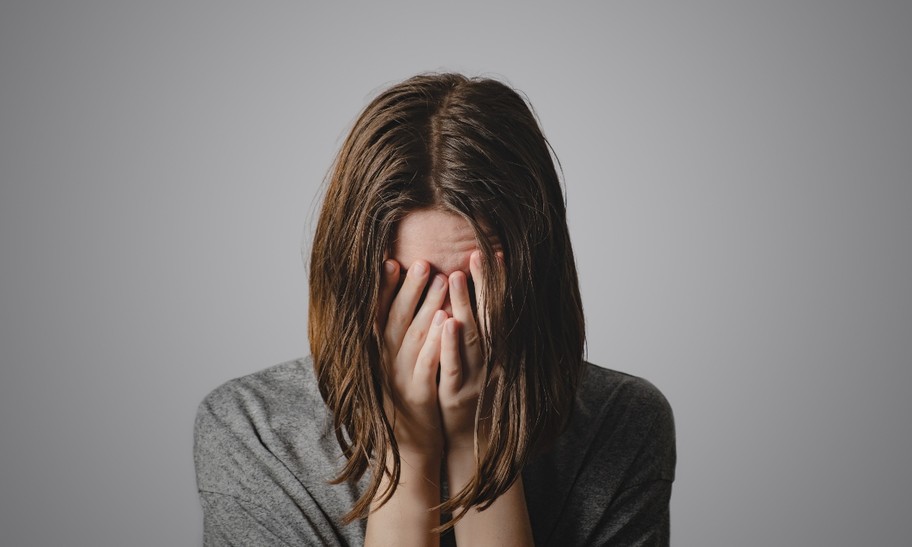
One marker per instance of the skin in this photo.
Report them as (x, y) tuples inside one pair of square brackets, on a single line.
[(434, 423)]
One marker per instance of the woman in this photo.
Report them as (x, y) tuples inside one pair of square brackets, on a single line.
[(446, 398)]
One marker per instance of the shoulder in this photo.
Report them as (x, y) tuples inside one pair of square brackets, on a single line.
[(600, 382), (265, 452), (619, 446), (621, 433), (282, 379), (605, 391), (264, 400), (273, 388), (271, 417), (633, 416)]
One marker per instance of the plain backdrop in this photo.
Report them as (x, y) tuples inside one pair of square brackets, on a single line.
[(740, 201)]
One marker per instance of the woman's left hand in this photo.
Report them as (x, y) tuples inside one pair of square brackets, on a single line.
[(462, 373), (462, 379)]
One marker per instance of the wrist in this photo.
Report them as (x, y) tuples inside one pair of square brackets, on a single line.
[(419, 480), (411, 460), (410, 514), (460, 466)]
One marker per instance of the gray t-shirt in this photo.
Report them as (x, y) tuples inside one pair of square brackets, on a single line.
[(265, 450)]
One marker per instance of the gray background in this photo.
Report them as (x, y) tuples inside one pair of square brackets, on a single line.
[(739, 189)]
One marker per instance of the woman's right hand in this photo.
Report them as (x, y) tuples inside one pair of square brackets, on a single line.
[(411, 355)]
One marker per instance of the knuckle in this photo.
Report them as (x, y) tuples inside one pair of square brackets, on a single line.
[(389, 338), (460, 402), (395, 316), (416, 398), (415, 335)]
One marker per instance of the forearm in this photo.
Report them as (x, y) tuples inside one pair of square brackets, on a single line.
[(407, 518), (505, 522)]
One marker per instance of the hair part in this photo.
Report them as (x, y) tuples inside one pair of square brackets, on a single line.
[(473, 147)]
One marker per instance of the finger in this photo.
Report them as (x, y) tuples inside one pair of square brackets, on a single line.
[(424, 376), (389, 278), (470, 342), (418, 330), (460, 300), (402, 308), (451, 376), (433, 301)]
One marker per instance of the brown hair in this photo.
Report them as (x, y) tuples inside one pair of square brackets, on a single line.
[(473, 147)]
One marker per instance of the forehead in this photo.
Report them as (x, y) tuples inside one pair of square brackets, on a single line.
[(444, 239)]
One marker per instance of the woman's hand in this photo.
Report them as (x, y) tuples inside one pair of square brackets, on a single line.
[(429, 418), (462, 374), (462, 371), (411, 346), (411, 355)]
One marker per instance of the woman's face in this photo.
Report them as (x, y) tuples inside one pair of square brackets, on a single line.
[(445, 240)]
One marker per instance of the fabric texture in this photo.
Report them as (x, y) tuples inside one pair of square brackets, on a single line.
[(265, 451)]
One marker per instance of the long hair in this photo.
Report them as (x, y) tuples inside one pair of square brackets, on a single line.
[(473, 147)]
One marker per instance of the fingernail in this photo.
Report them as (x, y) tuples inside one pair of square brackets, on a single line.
[(457, 281), (439, 317), (418, 267), (439, 282), (389, 267)]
